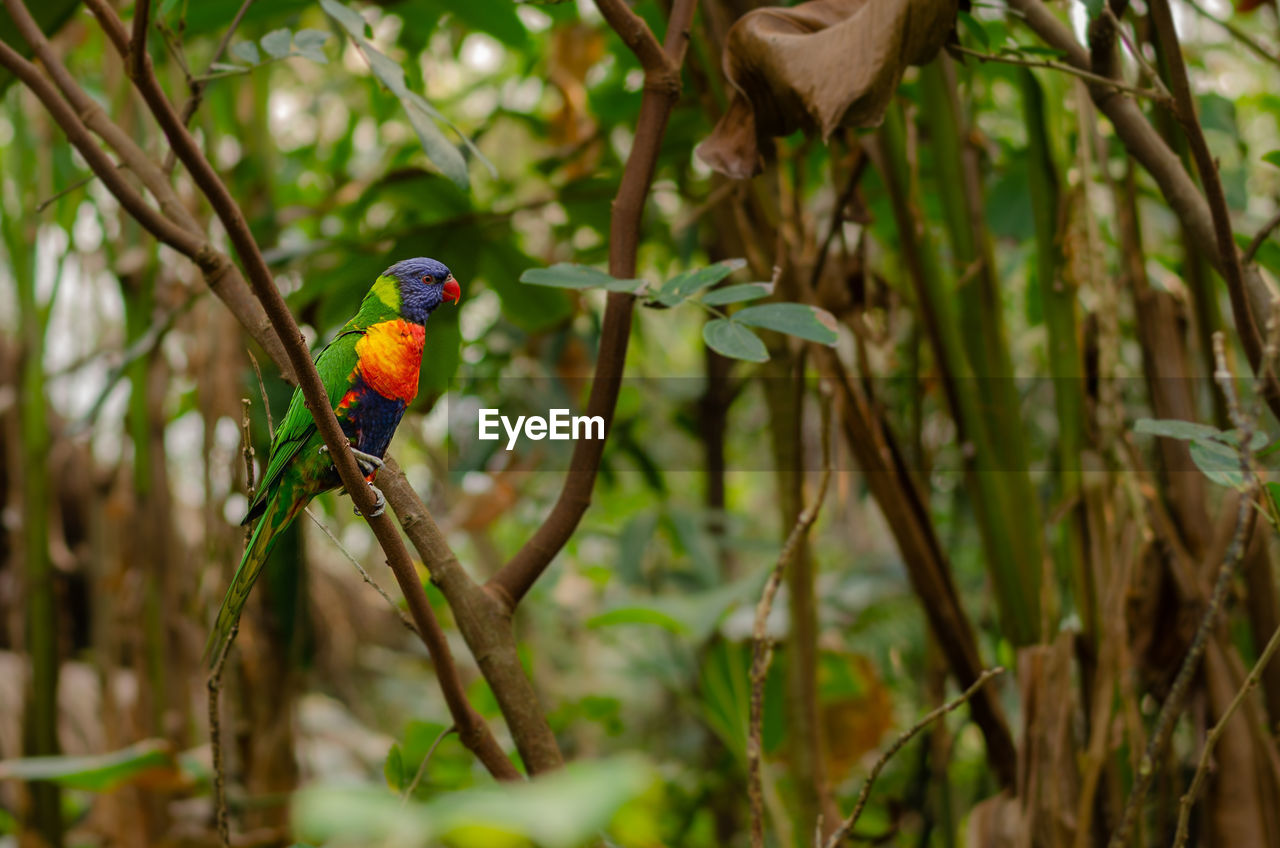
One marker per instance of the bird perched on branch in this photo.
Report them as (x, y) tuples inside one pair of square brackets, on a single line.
[(370, 373)]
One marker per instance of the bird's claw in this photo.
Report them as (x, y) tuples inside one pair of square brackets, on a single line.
[(368, 463), (380, 502)]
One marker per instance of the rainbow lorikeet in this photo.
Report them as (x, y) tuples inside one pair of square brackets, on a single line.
[(370, 372)]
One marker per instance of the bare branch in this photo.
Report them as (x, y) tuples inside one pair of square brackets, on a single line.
[(762, 646), (474, 733), (1173, 703), (1260, 239), (138, 42), (515, 578), (1159, 97), (847, 825)]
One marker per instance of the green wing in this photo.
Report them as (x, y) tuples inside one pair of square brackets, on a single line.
[(336, 364)]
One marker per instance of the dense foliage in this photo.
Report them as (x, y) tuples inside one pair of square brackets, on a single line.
[(953, 306)]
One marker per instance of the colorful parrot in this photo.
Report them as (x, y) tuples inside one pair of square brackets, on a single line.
[(370, 372)]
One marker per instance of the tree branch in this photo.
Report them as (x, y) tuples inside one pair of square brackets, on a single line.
[(472, 729), (137, 57), (1173, 703), (515, 578), (1248, 292), (762, 646), (1159, 97), (865, 793), (221, 276)]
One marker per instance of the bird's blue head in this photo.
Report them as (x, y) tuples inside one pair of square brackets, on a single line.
[(424, 284)]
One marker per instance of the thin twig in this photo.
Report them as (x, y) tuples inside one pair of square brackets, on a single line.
[(214, 683), (1147, 71), (847, 825), (1260, 239), (1224, 376), (1172, 706), (1202, 768), (422, 768), (364, 575), (197, 86), (762, 646), (1089, 76), (262, 390), (1252, 44)]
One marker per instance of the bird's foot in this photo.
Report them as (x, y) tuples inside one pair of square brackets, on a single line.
[(368, 463), (380, 502)]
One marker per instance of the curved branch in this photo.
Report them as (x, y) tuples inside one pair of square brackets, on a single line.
[(515, 578), (474, 733)]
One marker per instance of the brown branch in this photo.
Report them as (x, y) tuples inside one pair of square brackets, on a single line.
[(137, 57), (197, 85), (515, 578), (847, 825), (472, 729), (762, 646), (1260, 239), (1202, 767), (1159, 97), (635, 33), (220, 274), (1253, 45), (1171, 709), (1248, 292)]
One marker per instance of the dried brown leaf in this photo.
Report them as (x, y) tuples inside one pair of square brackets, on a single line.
[(818, 66)]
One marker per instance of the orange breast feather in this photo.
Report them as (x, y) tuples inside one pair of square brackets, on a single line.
[(389, 357)]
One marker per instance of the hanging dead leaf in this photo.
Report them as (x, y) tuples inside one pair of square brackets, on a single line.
[(818, 66)]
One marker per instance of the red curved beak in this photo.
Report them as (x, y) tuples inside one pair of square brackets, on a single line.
[(452, 291)]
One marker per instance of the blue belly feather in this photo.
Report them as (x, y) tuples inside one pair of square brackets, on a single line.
[(371, 419)]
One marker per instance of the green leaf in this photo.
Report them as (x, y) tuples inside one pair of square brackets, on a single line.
[(692, 614), (98, 773), (393, 769), (276, 43), (422, 115), (246, 51), (1273, 492), (794, 319), (1174, 429), (975, 28), (566, 275), (1272, 158), (687, 283), (442, 153), (560, 810), (310, 44), (1219, 462), (351, 20), (733, 340), (737, 294)]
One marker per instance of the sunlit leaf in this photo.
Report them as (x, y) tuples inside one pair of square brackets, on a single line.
[(794, 319), (734, 341)]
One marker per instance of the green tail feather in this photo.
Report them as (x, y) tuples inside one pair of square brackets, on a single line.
[(278, 514)]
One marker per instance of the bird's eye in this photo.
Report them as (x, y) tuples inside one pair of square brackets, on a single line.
[(424, 280)]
